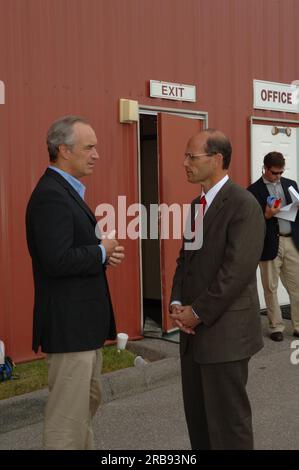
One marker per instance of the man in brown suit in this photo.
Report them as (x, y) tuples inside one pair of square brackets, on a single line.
[(214, 301)]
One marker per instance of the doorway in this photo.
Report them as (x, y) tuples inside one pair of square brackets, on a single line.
[(266, 136), (150, 249), (163, 134)]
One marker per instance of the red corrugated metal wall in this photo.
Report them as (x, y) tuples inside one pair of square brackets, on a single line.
[(80, 56)]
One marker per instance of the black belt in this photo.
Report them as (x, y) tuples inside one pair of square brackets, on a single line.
[(285, 234)]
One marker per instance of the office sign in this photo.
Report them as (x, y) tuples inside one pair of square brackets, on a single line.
[(276, 96), (172, 91)]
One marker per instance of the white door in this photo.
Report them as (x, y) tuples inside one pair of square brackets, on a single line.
[(265, 140)]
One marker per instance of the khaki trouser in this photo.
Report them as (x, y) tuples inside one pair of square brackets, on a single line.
[(285, 266), (75, 394)]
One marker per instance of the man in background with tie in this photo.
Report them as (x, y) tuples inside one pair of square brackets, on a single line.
[(214, 301), (73, 314)]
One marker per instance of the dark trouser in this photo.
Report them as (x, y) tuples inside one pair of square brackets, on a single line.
[(217, 407)]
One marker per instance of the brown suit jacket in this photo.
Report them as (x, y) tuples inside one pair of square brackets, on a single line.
[(219, 279)]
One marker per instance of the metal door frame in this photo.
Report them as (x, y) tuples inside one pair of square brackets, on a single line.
[(154, 110), (265, 121)]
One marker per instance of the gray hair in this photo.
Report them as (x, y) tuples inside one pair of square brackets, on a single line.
[(62, 132)]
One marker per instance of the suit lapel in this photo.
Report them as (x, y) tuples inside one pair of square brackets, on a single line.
[(73, 193), (213, 212), (285, 185), (264, 190), (82, 204)]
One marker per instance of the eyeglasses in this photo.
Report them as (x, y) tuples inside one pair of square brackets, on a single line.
[(191, 157), (275, 173)]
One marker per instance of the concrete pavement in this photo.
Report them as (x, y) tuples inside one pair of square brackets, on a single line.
[(143, 407)]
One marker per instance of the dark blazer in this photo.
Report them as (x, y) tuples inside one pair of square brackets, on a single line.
[(219, 280), (72, 307), (271, 242)]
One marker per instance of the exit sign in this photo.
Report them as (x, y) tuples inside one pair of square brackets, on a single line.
[(172, 91)]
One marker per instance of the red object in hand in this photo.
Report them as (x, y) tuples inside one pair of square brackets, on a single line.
[(276, 203)]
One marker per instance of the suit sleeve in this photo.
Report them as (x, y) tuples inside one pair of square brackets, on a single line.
[(52, 235), (176, 293), (245, 239)]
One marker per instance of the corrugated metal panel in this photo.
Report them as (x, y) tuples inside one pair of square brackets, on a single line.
[(80, 56), (171, 161)]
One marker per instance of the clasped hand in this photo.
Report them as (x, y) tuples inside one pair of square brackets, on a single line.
[(114, 252), (182, 316)]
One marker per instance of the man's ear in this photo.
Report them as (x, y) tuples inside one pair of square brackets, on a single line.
[(64, 151), (220, 159)]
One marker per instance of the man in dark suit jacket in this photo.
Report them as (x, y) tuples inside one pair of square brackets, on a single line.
[(280, 256), (73, 315), (214, 301)]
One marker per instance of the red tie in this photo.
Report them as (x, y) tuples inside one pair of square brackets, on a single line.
[(203, 202)]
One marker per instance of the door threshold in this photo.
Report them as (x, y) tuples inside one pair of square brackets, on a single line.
[(154, 330)]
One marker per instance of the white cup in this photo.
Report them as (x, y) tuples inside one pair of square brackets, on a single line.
[(122, 339), (139, 361)]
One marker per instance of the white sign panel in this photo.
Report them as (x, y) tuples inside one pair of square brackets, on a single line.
[(276, 96), (172, 91)]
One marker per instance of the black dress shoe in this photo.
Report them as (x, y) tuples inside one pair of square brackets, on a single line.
[(296, 333), (277, 336)]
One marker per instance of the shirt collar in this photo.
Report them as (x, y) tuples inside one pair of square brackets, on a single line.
[(211, 194), (74, 182), (270, 182)]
